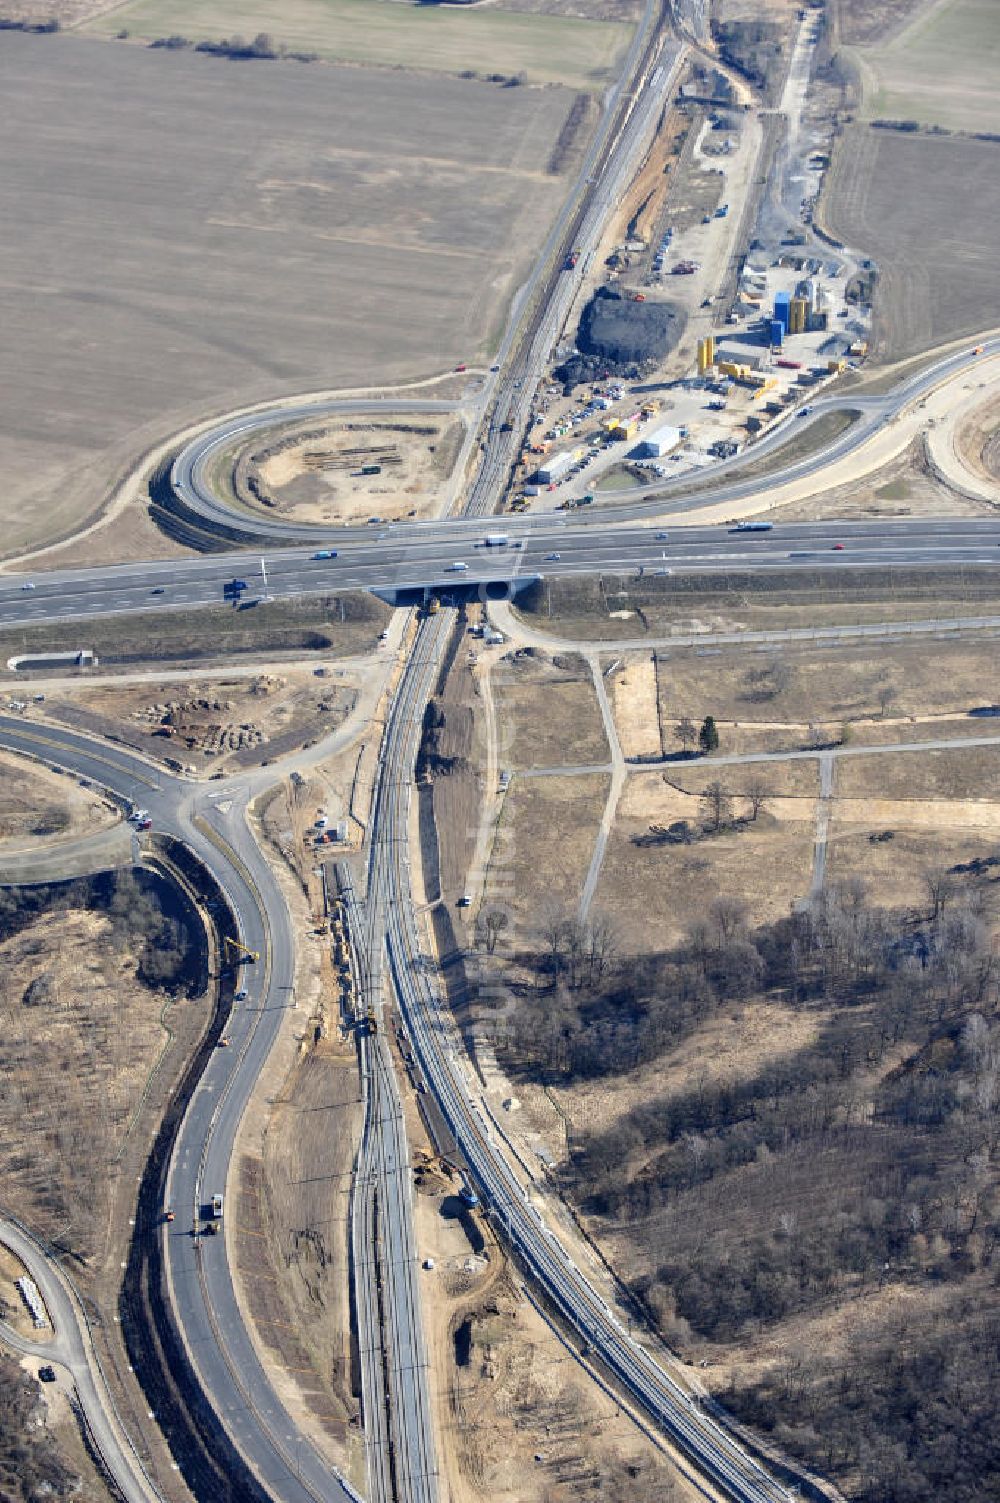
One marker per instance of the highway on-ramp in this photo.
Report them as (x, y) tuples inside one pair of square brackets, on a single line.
[(212, 822)]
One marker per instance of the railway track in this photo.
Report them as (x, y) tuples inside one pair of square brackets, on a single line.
[(709, 1449)]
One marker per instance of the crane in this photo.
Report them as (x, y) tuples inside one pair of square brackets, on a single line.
[(239, 950)]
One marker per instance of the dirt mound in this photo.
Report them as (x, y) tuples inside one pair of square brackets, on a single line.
[(617, 328)]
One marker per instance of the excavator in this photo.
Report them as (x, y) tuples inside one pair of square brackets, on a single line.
[(238, 952)]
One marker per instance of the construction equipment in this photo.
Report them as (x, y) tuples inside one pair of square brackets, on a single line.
[(239, 950)]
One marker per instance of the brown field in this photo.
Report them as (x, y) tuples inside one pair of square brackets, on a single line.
[(608, 609), (928, 775), (39, 806), (316, 475), (906, 201), (795, 684), (545, 841), (219, 723), (554, 713), (219, 244), (655, 893)]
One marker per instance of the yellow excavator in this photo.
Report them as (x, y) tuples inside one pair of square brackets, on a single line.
[(237, 951)]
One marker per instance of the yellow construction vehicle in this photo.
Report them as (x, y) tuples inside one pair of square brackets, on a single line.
[(238, 951)]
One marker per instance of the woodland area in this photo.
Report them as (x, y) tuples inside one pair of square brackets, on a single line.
[(857, 1173)]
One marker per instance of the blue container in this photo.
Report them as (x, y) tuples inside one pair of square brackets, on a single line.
[(782, 309), (777, 332)]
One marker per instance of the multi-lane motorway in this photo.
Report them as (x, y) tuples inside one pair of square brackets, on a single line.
[(401, 558), (396, 559)]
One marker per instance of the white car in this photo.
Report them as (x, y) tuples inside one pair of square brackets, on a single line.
[(457, 568), (552, 558), (27, 585)]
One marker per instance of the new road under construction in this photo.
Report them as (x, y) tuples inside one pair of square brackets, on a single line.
[(231, 1432)]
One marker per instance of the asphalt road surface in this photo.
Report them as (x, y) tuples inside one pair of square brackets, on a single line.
[(402, 559), (211, 821), (69, 1346)]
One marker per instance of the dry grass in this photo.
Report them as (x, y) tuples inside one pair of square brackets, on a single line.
[(545, 842), (894, 870), (967, 775), (40, 806), (401, 217), (327, 627), (633, 694), (555, 716), (904, 200), (732, 1046), (296, 1274), (655, 893), (549, 48), (702, 604), (902, 488), (783, 780), (801, 683), (74, 1067)]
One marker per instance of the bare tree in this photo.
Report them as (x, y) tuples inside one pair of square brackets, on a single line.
[(716, 806), (887, 696), (728, 915), (687, 732), (489, 927), (555, 936), (757, 793), (602, 946), (940, 884)]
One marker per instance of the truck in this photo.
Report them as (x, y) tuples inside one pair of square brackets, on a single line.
[(496, 540), (216, 1205), (752, 527)]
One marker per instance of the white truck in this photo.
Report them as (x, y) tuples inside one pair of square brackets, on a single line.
[(496, 540)]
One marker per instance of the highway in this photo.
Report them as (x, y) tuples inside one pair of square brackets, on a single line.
[(205, 1307), (392, 559), (402, 560), (69, 1346), (192, 480)]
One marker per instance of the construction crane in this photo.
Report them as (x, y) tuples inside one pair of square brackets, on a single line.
[(239, 951)]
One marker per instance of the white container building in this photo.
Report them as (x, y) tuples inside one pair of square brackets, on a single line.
[(661, 441)]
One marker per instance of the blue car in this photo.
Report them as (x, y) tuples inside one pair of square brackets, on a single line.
[(325, 553)]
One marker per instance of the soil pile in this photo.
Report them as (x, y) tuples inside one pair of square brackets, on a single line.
[(618, 334)]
